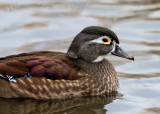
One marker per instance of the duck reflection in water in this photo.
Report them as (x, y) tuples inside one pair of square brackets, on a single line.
[(81, 105)]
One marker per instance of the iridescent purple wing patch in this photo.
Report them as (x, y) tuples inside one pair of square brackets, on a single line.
[(53, 69)]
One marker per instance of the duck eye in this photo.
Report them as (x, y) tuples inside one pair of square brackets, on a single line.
[(105, 40)]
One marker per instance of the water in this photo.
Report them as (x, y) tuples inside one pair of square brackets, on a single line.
[(33, 25)]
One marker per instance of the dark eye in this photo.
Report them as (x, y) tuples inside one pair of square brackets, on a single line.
[(105, 40)]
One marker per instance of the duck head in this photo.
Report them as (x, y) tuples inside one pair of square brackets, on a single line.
[(93, 43)]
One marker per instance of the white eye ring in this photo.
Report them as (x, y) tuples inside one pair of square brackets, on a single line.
[(102, 40)]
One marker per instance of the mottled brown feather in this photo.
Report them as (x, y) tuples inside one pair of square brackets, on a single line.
[(89, 79)]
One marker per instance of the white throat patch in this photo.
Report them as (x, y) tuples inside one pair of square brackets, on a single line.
[(99, 58)]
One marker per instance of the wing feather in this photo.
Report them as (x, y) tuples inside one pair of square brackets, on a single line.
[(38, 64)]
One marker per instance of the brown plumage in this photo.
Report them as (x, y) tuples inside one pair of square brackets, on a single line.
[(55, 75)]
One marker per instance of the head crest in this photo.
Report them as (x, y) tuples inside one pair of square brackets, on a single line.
[(101, 31)]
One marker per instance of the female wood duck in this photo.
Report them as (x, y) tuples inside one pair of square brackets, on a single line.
[(82, 71)]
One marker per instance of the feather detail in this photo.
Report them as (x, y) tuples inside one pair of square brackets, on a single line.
[(51, 65), (42, 88)]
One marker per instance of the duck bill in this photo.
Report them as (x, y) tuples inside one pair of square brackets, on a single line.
[(119, 52)]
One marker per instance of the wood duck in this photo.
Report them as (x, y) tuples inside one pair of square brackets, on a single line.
[(82, 71)]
